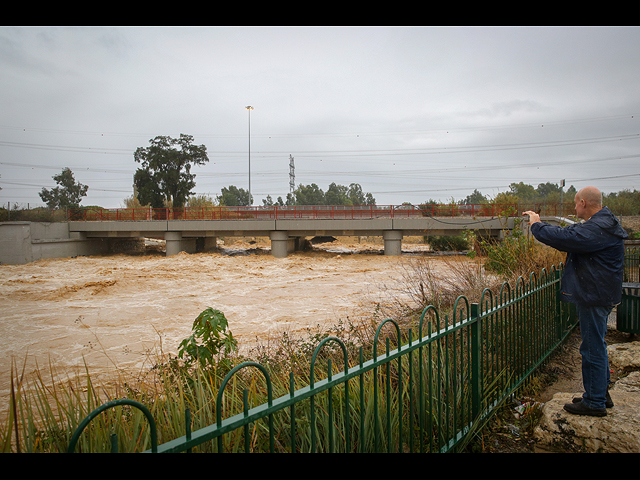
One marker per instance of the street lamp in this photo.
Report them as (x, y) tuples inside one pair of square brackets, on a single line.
[(249, 108)]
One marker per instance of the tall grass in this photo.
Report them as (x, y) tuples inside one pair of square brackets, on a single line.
[(46, 410)]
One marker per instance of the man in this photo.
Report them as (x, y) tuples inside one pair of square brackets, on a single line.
[(592, 280)]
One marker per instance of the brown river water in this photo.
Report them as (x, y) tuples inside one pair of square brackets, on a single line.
[(115, 312)]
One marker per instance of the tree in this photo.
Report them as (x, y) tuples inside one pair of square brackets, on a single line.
[(235, 197), (67, 195), (546, 189), (166, 170), (357, 196), (505, 198), (309, 195), (475, 198), (524, 192), (147, 189), (337, 195), (268, 202), (624, 202), (200, 201)]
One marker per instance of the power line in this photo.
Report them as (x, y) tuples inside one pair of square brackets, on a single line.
[(356, 153), (540, 124), (5, 182), (53, 167), (67, 148)]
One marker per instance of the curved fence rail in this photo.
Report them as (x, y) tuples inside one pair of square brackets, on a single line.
[(427, 394), (314, 211)]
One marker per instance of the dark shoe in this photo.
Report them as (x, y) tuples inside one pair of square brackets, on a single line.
[(581, 408), (607, 403)]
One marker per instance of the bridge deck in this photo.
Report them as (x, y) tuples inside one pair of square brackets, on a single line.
[(287, 230), (285, 224), (296, 227)]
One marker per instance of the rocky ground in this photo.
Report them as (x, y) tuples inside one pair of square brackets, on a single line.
[(537, 423)]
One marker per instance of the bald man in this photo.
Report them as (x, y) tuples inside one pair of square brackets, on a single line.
[(592, 280)]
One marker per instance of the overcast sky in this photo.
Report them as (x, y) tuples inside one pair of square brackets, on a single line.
[(410, 114)]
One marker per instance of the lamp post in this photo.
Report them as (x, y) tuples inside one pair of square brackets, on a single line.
[(249, 108)]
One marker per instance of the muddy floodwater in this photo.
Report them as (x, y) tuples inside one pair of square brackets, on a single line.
[(117, 310)]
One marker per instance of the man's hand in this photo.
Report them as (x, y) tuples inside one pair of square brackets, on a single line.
[(533, 217)]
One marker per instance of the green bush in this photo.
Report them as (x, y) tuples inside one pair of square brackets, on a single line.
[(210, 338), (448, 243), (506, 257)]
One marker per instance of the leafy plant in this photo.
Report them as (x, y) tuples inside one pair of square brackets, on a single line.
[(506, 257), (210, 338)]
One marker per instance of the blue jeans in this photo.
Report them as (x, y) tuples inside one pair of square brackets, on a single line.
[(595, 360)]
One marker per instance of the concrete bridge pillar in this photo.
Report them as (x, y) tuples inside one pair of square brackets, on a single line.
[(392, 242), (174, 243), (210, 243), (279, 243), (204, 244)]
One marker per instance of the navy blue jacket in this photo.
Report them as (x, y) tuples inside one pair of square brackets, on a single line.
[(595, 257)]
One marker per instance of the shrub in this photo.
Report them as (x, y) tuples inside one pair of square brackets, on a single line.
[(448, 243), (210, 338), (519, 255)]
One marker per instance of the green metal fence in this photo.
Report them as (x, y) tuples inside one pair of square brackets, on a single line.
[(632, 264), (628, 311), (425, 393)]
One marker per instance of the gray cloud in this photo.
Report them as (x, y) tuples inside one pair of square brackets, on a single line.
[(409, 113)]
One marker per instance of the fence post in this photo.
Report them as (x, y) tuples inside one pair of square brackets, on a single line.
[(560, 323), (476, 361)]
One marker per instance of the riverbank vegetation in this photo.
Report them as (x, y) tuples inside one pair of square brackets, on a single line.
[(47, 407)]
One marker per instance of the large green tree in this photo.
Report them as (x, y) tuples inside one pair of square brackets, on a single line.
[(233, 196), (309, 195), (68, 193), (358, 197), (165, 174), (546, 189), (336, 195), (523, 191), (475, 198)]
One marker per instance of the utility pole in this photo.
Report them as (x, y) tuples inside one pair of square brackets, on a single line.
[(249, 108)]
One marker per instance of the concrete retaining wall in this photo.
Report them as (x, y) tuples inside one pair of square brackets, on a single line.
[(24, 242)]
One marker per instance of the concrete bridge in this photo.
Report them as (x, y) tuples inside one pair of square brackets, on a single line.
[(286, 234), (90, 231)]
